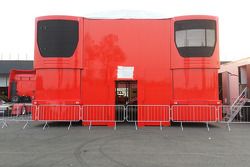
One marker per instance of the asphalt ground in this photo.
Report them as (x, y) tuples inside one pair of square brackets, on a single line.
[(102, 146)]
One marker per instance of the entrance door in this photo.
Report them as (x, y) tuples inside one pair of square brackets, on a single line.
[(126, 94)]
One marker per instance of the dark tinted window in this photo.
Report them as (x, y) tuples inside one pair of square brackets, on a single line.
[(57, 38), (195, 38)]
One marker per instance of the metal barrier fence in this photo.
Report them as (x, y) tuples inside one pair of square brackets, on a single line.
[(140, 115), (62, 113), (99, 114), (58, 113), (19, 113), (235, 114), (148, 114), (194, 113)]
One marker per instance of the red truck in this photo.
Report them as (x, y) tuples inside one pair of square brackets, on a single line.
[(21, 90)]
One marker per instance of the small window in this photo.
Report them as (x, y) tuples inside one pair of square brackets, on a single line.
[(57, 38), (195, 38)]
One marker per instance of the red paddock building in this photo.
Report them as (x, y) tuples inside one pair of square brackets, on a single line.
[(82, 61)]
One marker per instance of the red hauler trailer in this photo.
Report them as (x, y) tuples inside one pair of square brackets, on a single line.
[(81, 61)]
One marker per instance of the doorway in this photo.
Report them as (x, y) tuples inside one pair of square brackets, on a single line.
[(126, 94), (220, 87)]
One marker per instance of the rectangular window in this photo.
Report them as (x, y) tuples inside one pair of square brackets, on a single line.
[(195, 38), (57, 38)]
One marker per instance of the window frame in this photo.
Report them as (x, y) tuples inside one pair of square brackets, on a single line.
[(68, 52), (203, 24)]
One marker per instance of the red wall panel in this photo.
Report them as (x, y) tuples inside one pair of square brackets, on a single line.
[(142, 44)]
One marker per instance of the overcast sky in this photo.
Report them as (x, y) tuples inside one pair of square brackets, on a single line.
[(18, 17)]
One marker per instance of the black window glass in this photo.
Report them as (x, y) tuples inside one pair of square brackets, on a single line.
[(57, 38), (195, 38)]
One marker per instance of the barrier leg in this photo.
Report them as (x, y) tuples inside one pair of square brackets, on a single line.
[(115, 126), (181, 127), (70, 123), (228, 126), (207, 127), (4, 124), (136, 128), (45, 125), (90, 125), (27, 122), (160, 126)]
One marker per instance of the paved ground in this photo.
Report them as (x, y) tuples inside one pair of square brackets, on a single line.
[(126, 147)]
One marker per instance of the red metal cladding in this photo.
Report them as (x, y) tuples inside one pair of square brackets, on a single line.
[(58, 78), (148, 48), (195, 79), (141, 44), (58, 86)]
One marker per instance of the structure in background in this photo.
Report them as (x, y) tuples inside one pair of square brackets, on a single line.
[(81, 61), (6, 66), (21, 86), (234, 77)]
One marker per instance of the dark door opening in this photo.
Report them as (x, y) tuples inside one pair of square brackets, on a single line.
[(220, 87), (126, 94)]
